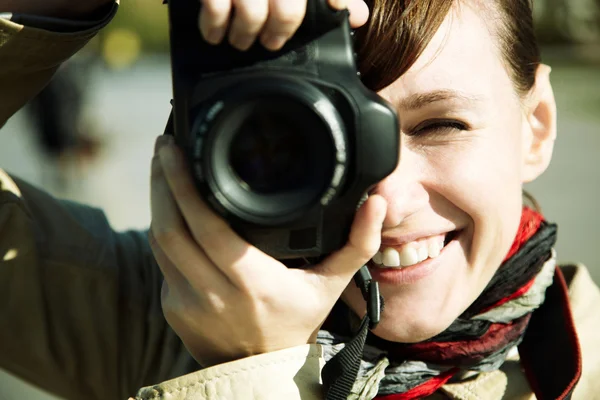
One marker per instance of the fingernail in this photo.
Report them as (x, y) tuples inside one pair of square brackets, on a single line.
[(161, 141), (215, 35), (274, 42)]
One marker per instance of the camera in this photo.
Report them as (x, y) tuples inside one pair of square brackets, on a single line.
[(283, 145)]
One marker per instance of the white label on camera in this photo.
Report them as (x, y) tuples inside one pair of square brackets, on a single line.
[(214, 110), (337, 175), (328, 196), (328, 112)]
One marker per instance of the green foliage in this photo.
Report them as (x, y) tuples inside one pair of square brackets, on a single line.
[(149, 19)]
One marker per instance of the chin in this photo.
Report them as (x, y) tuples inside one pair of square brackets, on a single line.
[(408, 318), (409, 331)]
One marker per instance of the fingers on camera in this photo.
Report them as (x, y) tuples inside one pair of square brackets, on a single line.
[(273, 21), (284, 19), (248, 20), (214, 18)]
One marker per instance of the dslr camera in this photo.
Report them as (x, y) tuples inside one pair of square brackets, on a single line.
[(283, 145)]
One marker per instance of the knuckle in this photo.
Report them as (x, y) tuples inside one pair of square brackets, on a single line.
[(251, 291), (216, 8), (184, 190), (288, 14), (259, 294), (252, 16), (213, 233), (165, 238)]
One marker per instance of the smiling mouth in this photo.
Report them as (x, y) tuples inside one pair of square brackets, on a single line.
[(414, 252)]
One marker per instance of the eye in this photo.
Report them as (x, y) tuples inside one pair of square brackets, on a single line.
[(439, 126)]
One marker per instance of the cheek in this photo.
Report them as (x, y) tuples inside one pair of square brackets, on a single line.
[(478, 174), (481, 177)]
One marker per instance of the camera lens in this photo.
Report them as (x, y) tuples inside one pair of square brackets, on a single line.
[(269, 150), (271, 154)]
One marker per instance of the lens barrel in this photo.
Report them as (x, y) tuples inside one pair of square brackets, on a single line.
[(269, 150)]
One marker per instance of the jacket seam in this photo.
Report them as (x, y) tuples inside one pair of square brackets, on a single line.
[(158, 395)]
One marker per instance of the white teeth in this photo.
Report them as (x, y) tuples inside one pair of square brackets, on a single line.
[(410, 253), (434, 249), (391, 258), (423, 253), (378, 258), (409, 256)]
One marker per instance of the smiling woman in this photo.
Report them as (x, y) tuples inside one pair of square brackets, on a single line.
[(472, 135)]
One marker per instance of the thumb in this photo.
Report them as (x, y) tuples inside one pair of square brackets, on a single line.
[(364, 241)]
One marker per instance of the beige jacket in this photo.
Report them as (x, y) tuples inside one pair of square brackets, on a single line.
[(80, 304)]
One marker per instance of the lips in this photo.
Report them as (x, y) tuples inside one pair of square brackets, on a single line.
[(408, 271)]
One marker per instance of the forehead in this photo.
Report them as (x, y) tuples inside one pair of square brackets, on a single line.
[(462, 56)]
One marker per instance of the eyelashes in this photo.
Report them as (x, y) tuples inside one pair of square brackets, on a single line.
[(437, 127)]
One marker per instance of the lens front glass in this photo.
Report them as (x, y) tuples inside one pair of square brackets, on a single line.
[(271, 154)]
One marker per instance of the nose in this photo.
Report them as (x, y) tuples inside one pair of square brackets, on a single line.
[(403, 189)]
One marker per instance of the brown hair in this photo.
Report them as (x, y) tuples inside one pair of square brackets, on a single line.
[(399, 30)]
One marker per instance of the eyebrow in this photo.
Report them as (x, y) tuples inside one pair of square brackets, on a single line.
[(420, 100)]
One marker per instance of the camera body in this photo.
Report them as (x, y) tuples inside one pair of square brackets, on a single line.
[(283, 145)]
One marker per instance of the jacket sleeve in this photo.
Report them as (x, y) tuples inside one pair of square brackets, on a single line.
[(79, 303), (30, 56), (290, 374)]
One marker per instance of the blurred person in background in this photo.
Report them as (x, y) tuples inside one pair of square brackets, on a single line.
[(475, 305), (59, 126)]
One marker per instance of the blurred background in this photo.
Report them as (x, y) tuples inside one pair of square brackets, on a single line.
[(113, 100)]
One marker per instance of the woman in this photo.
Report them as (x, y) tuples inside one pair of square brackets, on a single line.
[(446, 233), (466, 272)]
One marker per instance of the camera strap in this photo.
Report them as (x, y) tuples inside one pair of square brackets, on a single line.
[(339, 373)]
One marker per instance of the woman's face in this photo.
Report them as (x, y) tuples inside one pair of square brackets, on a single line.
[(464, 137)]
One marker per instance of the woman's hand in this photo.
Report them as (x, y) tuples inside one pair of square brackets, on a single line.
[(225, 298), (272, 21)]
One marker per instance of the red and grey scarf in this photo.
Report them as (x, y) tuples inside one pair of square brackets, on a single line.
[(477, 341)]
